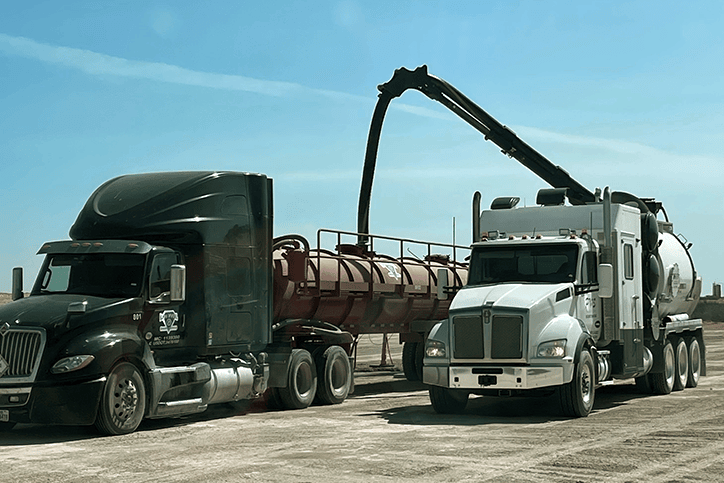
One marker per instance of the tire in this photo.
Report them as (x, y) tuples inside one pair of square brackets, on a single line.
[(694, 362), (577, 397), (410, 366), (123, 401), (448, 401), (301, 381), (334, 375), (273, 401), (681, 375), (643, 384), (663, 382), (7, 426)]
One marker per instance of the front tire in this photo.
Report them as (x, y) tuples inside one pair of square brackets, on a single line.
[(577, 397), (301, 381), (123, 401), (448, 401), (334, 375)]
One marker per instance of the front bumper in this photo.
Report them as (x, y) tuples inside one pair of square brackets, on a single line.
[(73, 404), (496, 377)]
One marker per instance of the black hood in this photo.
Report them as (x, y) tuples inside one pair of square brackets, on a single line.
[(49, 311)]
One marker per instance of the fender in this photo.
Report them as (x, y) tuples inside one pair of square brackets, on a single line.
[(108, 346), (574, 332)]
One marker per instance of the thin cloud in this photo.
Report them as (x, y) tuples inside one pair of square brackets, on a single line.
[(97, 64), (635, 156)]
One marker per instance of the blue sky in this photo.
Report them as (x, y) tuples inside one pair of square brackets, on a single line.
[(621, 94)]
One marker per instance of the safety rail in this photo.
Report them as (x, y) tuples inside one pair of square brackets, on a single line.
[(404, 269)]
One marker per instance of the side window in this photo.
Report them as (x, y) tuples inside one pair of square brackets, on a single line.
[(57, 277), (589, 268), (160, 277), (628, 271)]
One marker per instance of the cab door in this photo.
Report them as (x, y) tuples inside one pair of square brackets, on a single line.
[(166, 327), (630, 303)]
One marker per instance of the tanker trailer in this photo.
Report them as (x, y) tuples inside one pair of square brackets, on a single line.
[(363, 292)]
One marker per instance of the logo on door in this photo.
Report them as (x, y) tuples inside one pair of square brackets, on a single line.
[(168, 319)]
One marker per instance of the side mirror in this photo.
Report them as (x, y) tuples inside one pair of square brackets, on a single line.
[(442, 282), (17, 283), (605, 280), (178, 283)]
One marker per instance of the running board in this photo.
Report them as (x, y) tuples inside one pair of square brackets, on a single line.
[(180, 408)]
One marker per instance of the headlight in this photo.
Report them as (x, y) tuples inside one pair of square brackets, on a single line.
[(553, 348), (72, 363), (435, 348)]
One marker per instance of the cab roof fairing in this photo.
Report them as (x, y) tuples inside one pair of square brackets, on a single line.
[(186, 207)]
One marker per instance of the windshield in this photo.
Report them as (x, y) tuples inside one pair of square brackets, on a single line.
[(542, 263), (98, 274)]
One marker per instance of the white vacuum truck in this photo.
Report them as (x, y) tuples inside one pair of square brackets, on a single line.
[(564, 298), (560, 297)]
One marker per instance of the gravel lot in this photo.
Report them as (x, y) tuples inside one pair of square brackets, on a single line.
[(387, 431)]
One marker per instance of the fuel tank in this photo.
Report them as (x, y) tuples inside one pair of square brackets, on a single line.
[(678, 288), (361, 292)]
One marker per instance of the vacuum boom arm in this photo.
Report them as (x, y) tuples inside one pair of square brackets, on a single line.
[(439, 90)]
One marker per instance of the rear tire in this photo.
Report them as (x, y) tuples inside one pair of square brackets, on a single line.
[(682, 365), (123, 401), (663, 382), (301, 381), (577, 397), (643, 384), (334, 375), (448, 401), (694, 362), (273, 401), (412, 354)]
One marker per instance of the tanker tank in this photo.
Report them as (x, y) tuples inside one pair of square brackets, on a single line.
[(678, 288), (358, 290)]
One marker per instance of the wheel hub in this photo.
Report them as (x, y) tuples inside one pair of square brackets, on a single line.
[(126, 400)]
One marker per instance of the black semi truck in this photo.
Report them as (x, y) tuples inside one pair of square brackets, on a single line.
[(173, 294), (159, 305)]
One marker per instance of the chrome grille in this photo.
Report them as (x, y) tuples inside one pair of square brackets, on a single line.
[(21, 351)]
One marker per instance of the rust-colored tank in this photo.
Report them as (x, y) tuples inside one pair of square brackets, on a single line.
[(360, 291)]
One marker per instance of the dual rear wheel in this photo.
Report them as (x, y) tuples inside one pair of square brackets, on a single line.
[(325, 377), (681, 366)]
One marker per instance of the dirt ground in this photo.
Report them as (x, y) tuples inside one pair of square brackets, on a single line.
[(387, 431)]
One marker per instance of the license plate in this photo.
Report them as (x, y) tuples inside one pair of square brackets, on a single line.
[(4, 415)]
